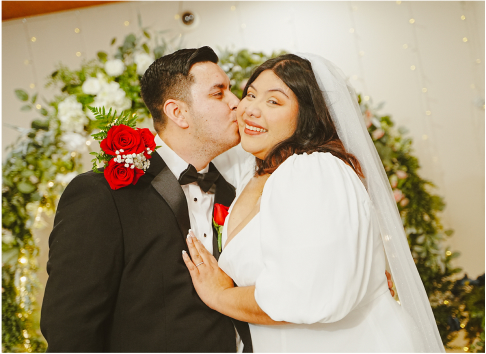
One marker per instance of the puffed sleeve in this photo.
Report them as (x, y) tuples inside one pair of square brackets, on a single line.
[(316, 240)]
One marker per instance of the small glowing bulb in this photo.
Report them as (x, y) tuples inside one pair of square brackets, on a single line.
[(463, 17), (412, 67), (77, 30), (405, 46), (351, 30), (424, 137), (38, 106), (478, 61), (233, 8), (33, 39), (126, 23), (448, 253), (88, 143), (399, 2), (412, 21), (22, 279), (463, 325), (26, 61), (428, 113), (177, 16), (465, 349), (367, 98), (78, 54), (23, 260), (37, 218), (50, 184), (73, 154), (32, 86), (446, 302), (464, 39), (424, 90)]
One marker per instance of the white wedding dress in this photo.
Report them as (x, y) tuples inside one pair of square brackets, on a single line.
[(316, 258)]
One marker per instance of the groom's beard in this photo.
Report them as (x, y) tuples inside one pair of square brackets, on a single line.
[(211, 139)]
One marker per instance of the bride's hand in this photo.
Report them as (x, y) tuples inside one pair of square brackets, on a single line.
[(208, 279)]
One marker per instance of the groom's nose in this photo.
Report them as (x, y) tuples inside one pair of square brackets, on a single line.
[(233, 101)]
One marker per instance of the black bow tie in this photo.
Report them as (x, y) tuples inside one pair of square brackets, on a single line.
[(205, 180)]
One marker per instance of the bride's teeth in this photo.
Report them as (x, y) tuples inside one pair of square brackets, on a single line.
[(255, 129)]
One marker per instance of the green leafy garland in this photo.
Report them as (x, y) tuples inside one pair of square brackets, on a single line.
[(44, 159)]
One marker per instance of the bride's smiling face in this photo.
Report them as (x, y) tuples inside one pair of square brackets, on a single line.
[(267, 115)]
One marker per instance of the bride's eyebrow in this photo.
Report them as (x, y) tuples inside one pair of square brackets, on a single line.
[(275, 89)]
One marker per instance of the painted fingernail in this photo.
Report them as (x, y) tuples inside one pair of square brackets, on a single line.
[(190, 239)]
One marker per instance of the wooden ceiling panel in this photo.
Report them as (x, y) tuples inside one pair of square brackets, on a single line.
[(20, 9)]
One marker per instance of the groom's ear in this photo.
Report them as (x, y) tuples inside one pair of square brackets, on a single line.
[(176, 111)]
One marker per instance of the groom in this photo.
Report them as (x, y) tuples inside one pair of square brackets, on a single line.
[(117, 280)]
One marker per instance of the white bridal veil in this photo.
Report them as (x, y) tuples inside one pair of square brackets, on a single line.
[(346, 115)]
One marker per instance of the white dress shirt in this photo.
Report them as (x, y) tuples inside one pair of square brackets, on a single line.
[(200, 204), (235, 165)]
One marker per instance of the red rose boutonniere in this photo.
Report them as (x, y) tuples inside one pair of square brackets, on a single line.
[(126, 150), (219, 216)]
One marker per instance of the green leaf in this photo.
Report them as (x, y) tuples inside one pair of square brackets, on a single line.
[(113, 41), (21, 95), (27, 107), (25, 187), (146, 48), (44, 112), (102, 56), (34, 98), (40, 124), (146, 34), (53, 75)]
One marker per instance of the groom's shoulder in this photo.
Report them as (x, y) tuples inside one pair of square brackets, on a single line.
[(88, 183)]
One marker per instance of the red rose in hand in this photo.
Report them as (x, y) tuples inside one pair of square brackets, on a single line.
[(220, 213), (119, 176), (122, 137), (148, 139)]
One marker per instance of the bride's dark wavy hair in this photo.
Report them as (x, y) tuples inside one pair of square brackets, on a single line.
[(315, 129)]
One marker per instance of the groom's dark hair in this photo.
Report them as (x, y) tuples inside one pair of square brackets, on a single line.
[(168, 78)]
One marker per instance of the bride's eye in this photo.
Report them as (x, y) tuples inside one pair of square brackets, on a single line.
[(273, 102), (251, 95)]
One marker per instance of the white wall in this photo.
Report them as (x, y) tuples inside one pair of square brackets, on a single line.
[(452, 156)]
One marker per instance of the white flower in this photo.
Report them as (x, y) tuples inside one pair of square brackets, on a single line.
[(255, 57), (143, 61), (114, 67), (7, 236), (74, 142), (111, 95), (71, 115), (91, 86), (65, 179), (236, 68)]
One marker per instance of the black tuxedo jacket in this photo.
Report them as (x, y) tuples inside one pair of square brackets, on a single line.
[(117, 281)]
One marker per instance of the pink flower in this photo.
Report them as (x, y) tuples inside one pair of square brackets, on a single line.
[(401, 174), (393, 181), (397, 193), (378, 134), (368, 113), (368, 121), (404, 202)]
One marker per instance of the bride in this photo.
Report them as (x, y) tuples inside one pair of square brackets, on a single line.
[(305, 237)]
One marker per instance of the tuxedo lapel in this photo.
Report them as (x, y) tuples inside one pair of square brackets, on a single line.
[(225, 194), (167, 185)]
